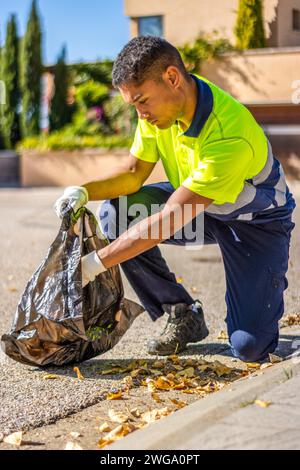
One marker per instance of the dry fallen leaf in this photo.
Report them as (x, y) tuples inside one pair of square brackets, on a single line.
[(113, 370), (156, 397), (120, 431), (118, 416), (103, 442), (135, 373), (174, 358), (265, 365), (179, 404), (177, 367), (262, 403), (162, 383), (135, 412), (191, 362), (140, 425), (114, 395), (274, 359), (189, 372), (164, 411), (50, 377), (221, 369), (194, 289), (158, 364), (79, 374), (153, 415), (155, 372), (15, 438), (223, 335), (12, 289), (118, 315), (203, 367), (105, 427), (290, 320), (73, 446), (115, 434), (150, 416), (128, 382), (253, 365), (150, 385)]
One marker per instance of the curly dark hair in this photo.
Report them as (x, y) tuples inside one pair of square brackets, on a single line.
[(145, 57)]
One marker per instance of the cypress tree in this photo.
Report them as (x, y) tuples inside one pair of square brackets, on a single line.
[(249, 29), (31, 74), (10, 76), (60, 110)]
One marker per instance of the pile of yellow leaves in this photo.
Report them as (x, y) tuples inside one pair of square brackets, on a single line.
[(189, 376)]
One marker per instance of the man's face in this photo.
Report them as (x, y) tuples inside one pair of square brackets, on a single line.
[(159, 102)]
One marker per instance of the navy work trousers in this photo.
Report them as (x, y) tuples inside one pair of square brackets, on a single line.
[(255, 259)]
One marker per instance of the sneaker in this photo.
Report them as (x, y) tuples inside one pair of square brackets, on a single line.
[(185, 324)]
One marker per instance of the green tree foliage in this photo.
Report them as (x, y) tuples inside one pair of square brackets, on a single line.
[(122, 118), (60, 112), (100, 71), (10, 76), (31, 74), (89, 98), (203, 48), (249, 29), (91, 93)]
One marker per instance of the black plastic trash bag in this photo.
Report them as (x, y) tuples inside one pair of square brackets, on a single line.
[(57, 321)]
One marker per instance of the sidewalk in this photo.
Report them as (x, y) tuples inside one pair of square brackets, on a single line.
[(230, 419), (29, 402)]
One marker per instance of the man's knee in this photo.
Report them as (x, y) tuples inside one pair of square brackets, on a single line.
[(251, 347)]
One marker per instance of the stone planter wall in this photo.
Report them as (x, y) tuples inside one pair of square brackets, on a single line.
[(9, 168), (61, 168)]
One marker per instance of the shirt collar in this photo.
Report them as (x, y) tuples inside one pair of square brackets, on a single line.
[(204, 107)]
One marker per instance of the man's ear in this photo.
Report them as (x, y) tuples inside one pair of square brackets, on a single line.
[(172, 76)]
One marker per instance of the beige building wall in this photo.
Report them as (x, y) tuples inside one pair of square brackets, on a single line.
[(286, 35), (261, 76), (183, 20)]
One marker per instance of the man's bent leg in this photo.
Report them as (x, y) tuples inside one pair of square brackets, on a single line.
[(256, 261)]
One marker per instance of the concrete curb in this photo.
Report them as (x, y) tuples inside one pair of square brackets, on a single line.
[(168, 433)]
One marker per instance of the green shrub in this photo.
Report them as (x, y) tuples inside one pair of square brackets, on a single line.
[(121, 118), (203, 48), (62, 141), (100, 71), (91, 93)]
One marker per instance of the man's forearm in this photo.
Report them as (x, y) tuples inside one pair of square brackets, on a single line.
[(134, 241), (180, 209), (119, 184)]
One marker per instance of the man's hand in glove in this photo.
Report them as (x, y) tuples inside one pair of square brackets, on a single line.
[(74, 196), (91, 266)]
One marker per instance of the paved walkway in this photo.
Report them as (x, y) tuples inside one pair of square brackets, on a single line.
[(28, 226)]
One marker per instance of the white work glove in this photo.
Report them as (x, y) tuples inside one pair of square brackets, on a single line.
[(74, 196), (91, 266)]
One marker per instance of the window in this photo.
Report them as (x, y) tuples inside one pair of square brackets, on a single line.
[(150, 25), (296, 20)]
